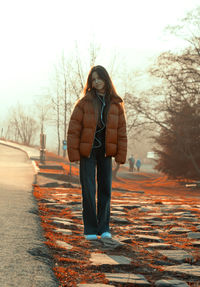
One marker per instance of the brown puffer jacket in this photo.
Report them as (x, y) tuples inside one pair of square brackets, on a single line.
[(82, 127)]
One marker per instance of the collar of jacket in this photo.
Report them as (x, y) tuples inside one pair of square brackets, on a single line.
[(114, 99)]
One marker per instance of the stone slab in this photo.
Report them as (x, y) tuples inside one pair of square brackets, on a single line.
[(171, 283), (57, 205), (148, 238), (178, 230), (158, 245), (50, 200), (138, 191), (176, 255), (194, 235), (138, 280), (151, 218), (101, 259), (132, 206), (162, 223), (123, 239), (184, 268), (117, 212), (76, 212), (182, 213), (196, 243), (76, 208), (196, 223), (73, 203), (80, 217), (62, 222), (155, 213), (145, 209), (148, 232), (187, 218), (62, 219), (110, 243), (119, 219), (62, 195), (63, 231), (142, 227), (116, 207), (94, 285), (63, 245)]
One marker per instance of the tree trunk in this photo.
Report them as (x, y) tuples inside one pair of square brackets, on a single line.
[(65, 114)]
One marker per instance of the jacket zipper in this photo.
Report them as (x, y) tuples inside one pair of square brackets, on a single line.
[(92, 141), (92, 144), (106, 126)]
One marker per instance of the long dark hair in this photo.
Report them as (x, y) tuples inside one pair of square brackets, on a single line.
[(103, 74)]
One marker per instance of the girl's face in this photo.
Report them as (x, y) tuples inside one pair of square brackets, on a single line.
[(98, 83)]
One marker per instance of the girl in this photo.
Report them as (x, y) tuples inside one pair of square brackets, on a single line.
[(96, 133)]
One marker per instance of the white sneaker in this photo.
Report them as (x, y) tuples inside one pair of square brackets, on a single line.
[(91, 237), (106, 235)]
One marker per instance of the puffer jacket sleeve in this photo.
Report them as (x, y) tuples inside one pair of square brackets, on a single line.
[(121, 137), (74, 133)]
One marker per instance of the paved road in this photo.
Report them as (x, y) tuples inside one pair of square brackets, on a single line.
[(24, 258)]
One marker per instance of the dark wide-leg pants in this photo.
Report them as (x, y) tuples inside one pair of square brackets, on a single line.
[(96, 217)]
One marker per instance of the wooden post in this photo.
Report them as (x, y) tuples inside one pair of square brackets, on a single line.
[(42, 147)]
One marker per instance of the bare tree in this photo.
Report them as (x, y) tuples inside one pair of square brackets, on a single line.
[(69, 82), (176, 98), (94, 51), (21, 127), (42, 109), (59, 100), (64, 80), (79, 68), (57, 108)]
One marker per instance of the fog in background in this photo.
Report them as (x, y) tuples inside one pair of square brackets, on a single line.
[(34, 34)]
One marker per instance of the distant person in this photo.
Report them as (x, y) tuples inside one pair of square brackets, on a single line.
[(96, 133), (131, 162), (138, 164)]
